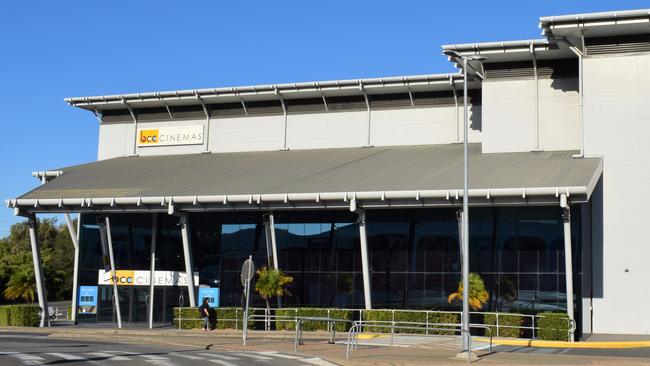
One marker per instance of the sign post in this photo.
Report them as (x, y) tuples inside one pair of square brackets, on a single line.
[(247, 271)]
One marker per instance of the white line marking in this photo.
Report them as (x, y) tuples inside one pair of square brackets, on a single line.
[(221, 356), (276, 354), (318, 362), (189, 357), (254, 357), (66, 356), (28, 359), (224, 363), (154, 357), (108, 356)]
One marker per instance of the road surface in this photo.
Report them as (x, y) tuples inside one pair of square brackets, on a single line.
[(18, 349)]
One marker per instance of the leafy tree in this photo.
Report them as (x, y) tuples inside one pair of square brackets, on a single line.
[(21, 286), (272, 283), (16, 267), (478, 295)]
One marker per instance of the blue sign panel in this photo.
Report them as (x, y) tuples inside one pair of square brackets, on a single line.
[(211, 293), (87, 299)]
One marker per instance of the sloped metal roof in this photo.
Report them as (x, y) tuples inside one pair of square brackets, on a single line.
[(372, 173)]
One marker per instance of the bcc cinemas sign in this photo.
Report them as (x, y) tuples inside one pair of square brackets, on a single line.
[(170, 135), (143, 278)]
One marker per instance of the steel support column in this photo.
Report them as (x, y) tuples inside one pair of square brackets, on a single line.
[(269, 226), (152, 269), (38, 269), (568, 260), (365, 265), (75, 271), (111, 257), (187, 253)]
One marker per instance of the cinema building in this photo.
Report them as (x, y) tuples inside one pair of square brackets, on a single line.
[(353, 187)]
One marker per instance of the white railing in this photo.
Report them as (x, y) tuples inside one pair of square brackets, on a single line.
[(528, 325)]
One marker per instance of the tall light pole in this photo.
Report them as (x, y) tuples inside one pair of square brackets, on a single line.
[(465, 217)]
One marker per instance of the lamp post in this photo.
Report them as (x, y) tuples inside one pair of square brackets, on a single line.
[(465, 217)]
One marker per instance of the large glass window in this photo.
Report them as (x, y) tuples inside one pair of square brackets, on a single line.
[(414, 255)]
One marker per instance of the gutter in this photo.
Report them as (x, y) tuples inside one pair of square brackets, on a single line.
[(334, 86), (257, 199), (594, 19), (499, 47)]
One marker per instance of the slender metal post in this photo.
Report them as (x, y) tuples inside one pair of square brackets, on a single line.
[(465, 238), (270, 237), (247, 290), (38, 269), (568, 262), (75, 271), (365, 266), (116, 297), (152, 270), (187, 253)]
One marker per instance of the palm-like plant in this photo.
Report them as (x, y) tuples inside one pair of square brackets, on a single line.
[(21, 285), (478, 295), (271, 283)]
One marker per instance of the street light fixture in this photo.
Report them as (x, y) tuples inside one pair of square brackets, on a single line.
[(465, 217)]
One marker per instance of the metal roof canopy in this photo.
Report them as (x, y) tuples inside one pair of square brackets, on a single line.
[(377, 177), (315, 89)]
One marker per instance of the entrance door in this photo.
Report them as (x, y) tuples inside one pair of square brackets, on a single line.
[(138, 305)]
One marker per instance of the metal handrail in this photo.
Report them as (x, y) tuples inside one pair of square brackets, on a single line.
[(331, 329), (427, 326), (353, 335), (495, 328)]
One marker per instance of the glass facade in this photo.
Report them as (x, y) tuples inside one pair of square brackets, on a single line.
[(414, 257)]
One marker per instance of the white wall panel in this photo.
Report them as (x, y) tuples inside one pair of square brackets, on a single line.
[(254, 133), (115, 140), (559, 114), (617, 126), (327, 130), (508, 115)]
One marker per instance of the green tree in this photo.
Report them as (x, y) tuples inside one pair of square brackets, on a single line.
[(272, 283), (21, 286), (16, 266), (478, 295)]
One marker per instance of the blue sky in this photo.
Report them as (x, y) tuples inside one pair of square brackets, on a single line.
[(51, 50)]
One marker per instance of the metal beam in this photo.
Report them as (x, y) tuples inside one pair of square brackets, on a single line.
[(207, 123), (367, 100), (75, 271), (187, 253), (38, 270), (111, 257), (152, 269), (568, 260), (536, 75), (363, 241)]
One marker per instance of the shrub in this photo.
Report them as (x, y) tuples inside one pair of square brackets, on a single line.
[(552, 326), (5, 316), (410, 317), (444, 318), (514, 320), (220, 318), (190, 318), (20, 315), (378, 315), (311, 325)]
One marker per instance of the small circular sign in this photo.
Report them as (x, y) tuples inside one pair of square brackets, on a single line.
[(247, 271)]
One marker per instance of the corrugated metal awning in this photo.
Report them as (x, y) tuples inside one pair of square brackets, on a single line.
[(376, 177)]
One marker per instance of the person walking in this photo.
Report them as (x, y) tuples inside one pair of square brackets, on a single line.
[(205, 313)]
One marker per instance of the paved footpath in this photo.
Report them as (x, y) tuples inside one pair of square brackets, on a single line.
[(278, 347)]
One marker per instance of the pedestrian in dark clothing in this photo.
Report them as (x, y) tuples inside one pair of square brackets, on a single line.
[(205, 313)]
